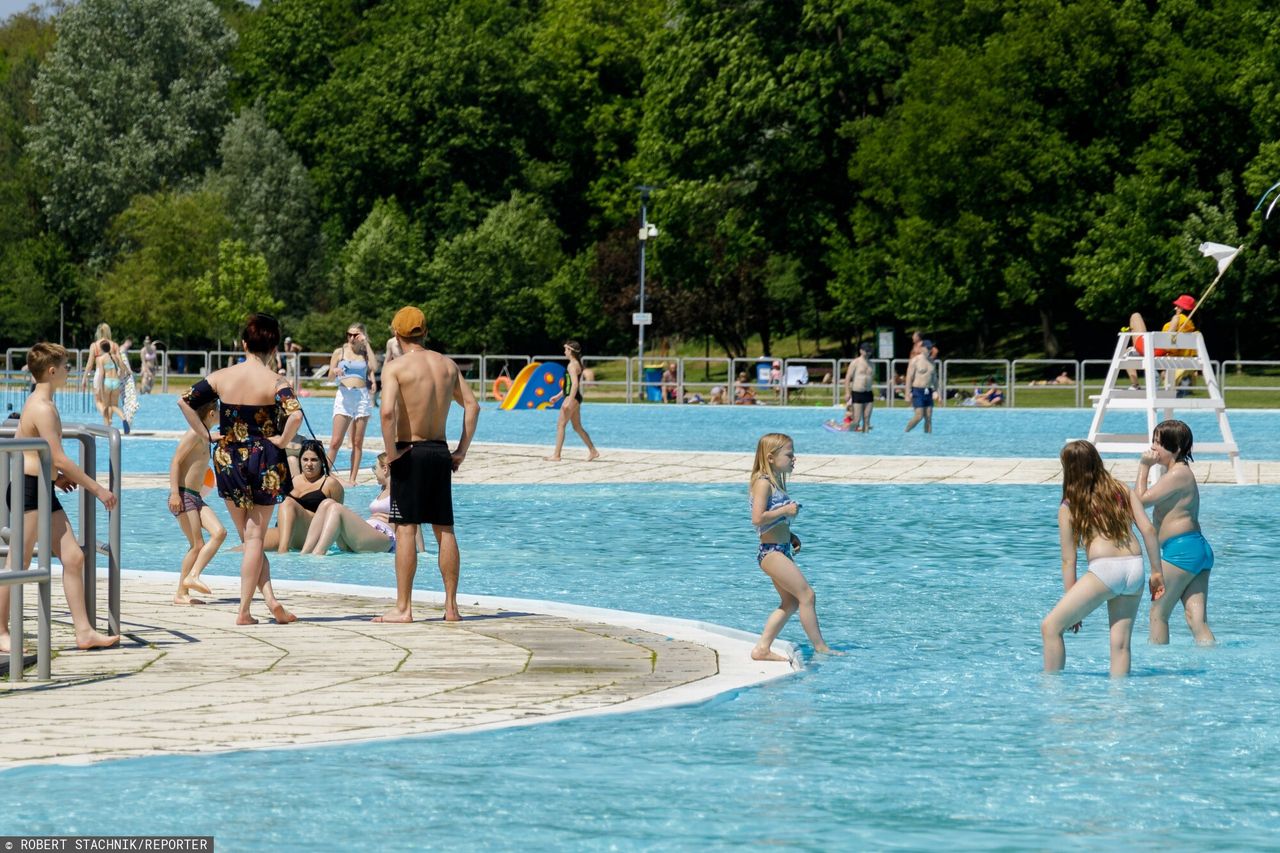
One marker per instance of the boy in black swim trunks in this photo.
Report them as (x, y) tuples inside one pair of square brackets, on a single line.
[(40, 419), (417, 391)]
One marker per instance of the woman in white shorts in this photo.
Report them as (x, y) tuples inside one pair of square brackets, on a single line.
[(353, 368), (1099, 513)]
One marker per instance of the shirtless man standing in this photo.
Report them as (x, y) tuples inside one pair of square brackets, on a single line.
[(417, 389), (920, 382), (857, 385)]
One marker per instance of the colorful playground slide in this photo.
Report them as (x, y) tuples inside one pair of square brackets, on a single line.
[(534, 386)]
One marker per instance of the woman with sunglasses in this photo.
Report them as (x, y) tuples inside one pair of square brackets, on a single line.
[(353, 367)]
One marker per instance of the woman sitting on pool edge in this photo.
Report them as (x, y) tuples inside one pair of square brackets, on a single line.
[(1098, 513), (336, 524), (312, 485)]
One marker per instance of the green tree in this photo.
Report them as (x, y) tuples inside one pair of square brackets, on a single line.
[(380, 268), (239, 285), (132, 98), (166, 242), (272, 205), (485, 285)]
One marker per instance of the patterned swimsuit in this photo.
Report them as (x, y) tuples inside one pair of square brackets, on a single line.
[(250, 470)]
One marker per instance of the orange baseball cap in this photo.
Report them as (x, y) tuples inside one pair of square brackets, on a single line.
[(409, 322)]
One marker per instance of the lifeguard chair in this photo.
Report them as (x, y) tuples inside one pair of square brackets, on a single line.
[(1156, 355)]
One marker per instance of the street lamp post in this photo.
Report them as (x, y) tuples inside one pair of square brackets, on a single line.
[(641, 319)]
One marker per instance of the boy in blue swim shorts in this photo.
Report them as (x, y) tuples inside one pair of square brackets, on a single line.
[(1184, 552)]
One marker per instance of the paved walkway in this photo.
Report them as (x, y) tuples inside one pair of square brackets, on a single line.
[(188, 680), (522, 463)]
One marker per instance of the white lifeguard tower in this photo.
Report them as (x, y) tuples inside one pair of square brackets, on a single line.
[(1164, 358)]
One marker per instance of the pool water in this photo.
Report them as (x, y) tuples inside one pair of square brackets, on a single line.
[(938, 730), (1023, 433)]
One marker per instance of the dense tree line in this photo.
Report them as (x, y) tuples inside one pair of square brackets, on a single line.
[(1015, 176)]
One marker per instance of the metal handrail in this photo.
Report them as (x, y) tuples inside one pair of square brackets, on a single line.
[(12, 479), (1012, 393)]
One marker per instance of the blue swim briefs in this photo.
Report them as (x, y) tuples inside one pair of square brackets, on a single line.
[(1189, 552), (922, 398)]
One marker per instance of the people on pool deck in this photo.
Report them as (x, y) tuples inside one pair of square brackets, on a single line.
[(571, 410), (297, 513), (417, 390), (771, 514), (669, 386), (743, 393), (352, 367), (920, 381), (1179, 322), (338, 525), (40, 419), (1185, 554), (258, 417), (986, 397), (186, 503), (858, 381), (1098, 513)]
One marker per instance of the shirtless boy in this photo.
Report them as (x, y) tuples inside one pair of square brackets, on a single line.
[(186, 478), (417, 390), (40, 419)]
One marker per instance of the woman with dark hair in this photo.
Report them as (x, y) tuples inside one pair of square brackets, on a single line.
[(298, 510), (571, 411), (354, 366), (249, 458)]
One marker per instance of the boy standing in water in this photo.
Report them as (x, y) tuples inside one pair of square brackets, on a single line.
[(40, 419)]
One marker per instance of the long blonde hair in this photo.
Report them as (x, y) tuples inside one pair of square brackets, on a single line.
[(761, 469), (1097, 501)]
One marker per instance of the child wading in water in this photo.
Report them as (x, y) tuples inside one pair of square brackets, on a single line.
[(771, 514), (1186, 555), (186, 477), (1098, 514)]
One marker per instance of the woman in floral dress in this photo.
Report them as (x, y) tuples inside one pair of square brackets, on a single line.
[(248, 457)]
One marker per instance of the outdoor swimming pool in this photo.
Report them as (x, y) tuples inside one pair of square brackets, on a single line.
[(936, 731), (1026, 433)]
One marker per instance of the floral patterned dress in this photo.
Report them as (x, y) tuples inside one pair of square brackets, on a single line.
[(250, 470)]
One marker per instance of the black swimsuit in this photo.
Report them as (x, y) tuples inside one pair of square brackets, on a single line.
[(311, 500)]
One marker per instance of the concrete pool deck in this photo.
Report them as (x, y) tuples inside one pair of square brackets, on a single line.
[(187, 680), (510, 464)]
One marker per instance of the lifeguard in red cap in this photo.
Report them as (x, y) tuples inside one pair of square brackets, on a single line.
[(1179, 322)]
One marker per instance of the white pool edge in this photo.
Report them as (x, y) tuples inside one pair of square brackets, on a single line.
[(735, 668)]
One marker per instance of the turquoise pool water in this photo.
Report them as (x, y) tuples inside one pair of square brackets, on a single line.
[(1025, 433), (936, 731)]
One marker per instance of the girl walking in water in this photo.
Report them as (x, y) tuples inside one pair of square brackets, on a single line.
[(1098, 513), (1187, 557), (771, 514), (571, 411)]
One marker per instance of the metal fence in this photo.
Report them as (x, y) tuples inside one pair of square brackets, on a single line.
[(86, 436), (1038, 382)]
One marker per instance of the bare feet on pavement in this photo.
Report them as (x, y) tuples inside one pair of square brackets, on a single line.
[(397, 616), (766, 654), (94, 640)]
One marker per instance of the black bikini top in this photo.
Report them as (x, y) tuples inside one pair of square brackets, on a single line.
[(311, 500)]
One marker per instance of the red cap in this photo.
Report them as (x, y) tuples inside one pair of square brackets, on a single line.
[(1186, 302)]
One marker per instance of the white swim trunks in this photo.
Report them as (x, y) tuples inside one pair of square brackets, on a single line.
[(352, 402), (1122, 575)]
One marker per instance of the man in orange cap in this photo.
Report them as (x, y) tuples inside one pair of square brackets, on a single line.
[(417, 390), (1180, 322)]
